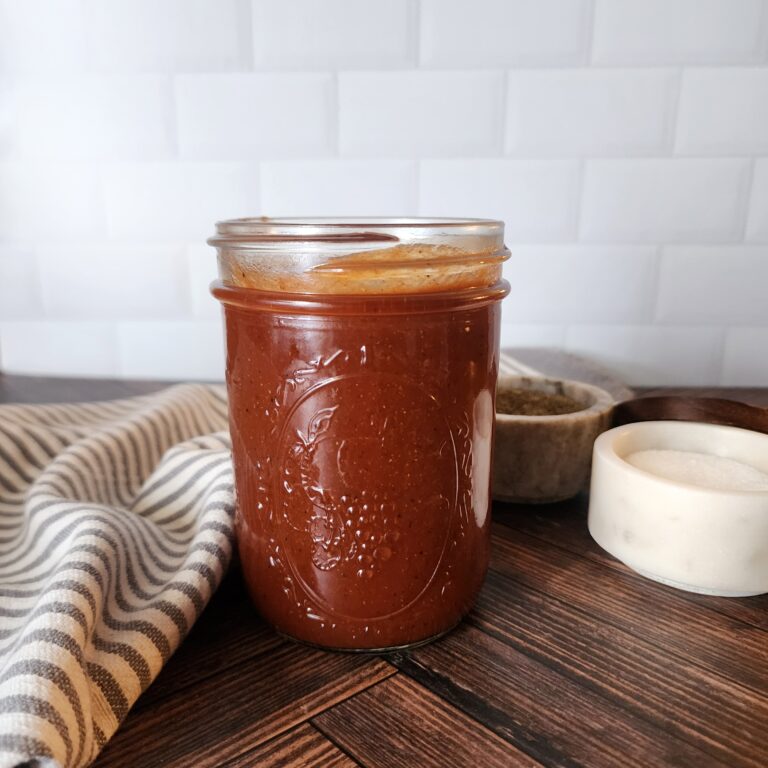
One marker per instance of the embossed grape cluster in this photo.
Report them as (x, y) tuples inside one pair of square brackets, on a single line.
[(371, 532)]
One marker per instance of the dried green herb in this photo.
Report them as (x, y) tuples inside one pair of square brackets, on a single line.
[(531, 402)]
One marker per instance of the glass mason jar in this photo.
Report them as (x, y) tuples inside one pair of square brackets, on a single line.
[(361, 369)]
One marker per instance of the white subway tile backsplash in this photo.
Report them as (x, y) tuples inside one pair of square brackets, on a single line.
[(19, 284), (177, 201), (679, 31), (664, 200), (570, 285), (356, 34), (243, 116), (338, 187), (537, 199), (201, 263), (58, 348), (623, 142), (653, 356), (757, 223), (8, 118), (517, 335), (592, 111), (41, 36), (94, 117), (492, 33), (171, 350), (420, 113), (714, 285), (113, 282), (54, 201), (746, 357), (723, 112), (168, 35)]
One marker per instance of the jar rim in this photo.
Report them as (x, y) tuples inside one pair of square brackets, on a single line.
[(359, 254), (347, 229)]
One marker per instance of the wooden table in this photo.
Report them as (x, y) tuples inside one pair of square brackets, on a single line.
[(568, 659)]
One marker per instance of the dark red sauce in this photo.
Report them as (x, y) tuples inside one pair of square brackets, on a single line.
[(361, 437)]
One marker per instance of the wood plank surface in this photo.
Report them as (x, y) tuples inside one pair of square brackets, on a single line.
[(564, 526), (386, 725), (546, 713), (303, 745), (568, 659), (241, 707), (654, 615), (674, 694), (230, 633)]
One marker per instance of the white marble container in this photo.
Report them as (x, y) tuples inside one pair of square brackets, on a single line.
[(686, 535), (544, 459)]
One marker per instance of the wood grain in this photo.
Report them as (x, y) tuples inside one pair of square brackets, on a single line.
[(229, 632), (656, 616), (564, 526), (543, 712), (241, 707), (569, 659), (677, 696), (301, 747), (399, 723)]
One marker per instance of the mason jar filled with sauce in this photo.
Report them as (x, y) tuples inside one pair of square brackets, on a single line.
[(361, 370)]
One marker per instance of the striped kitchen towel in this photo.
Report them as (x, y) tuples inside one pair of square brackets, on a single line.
[(116, 526)]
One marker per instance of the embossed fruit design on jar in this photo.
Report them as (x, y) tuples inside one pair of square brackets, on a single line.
[(361, 370)]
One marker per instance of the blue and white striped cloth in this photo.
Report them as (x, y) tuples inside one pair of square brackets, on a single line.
[(116, 526)]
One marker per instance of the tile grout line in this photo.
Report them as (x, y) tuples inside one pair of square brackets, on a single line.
[(504, 116), (660, 249), (724, 332), (173, 119), (591, 15), (673, 114), (248, 54), (578, 214), (414, 31), (749, 186), (335, 115)]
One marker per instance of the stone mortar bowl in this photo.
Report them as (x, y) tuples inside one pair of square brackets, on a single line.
[(544, 459)]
